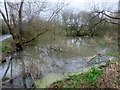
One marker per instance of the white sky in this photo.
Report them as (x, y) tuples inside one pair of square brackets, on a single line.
[(78, 5), (73, 1)]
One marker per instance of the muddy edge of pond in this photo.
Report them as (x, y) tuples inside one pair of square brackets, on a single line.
[(3, 57)]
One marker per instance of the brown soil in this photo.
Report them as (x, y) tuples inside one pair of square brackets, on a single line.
[(109, 78)]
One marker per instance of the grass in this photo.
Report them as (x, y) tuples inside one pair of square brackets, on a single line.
[(5, 46), (114, 54), (91, 76), (86, 79), (104, 76)]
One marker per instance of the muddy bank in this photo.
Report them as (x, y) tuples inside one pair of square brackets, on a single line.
[(5, 55), (2, 58), (107, 77), (5, 47)]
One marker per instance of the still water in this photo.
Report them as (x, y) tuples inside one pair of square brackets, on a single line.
[(54, 57), (3, 37)]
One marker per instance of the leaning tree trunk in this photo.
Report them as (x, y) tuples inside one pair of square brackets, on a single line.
[(6, 18), (8, 25)]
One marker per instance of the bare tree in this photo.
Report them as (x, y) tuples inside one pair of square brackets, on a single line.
[(6, 19), (108, 16), (42, 29), (10, 21), (15, 13)]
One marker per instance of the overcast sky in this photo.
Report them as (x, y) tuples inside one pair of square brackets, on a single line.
[(87, 4), (77, 5), (81, 4)]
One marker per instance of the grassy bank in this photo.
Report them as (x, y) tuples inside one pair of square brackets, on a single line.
[(82, 80), (102, 77), (6, 48)]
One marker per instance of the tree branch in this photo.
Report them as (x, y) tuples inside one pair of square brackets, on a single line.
[(111, 22), (103, 12), (7, 23), (7, 19), (12, 6), (3, 16), (56, 11), (20, 18), (36, 37), (110, 16)]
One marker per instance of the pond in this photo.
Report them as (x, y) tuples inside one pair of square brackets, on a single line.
[(3, 37), (54, 57)]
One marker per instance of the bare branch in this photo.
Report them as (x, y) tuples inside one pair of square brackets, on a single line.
[(13, 19), (110, 16), (20, 17), (3, 16), (103, 12), (12, 6), (10, 30), (56, 11), (36, 36), (6, 11), (110, 21)]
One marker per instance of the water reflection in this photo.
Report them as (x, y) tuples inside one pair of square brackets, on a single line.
[(60, 56)]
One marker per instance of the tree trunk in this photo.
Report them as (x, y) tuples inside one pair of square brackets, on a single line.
[(19, 43)]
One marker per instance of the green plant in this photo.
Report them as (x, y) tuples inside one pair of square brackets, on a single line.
[(5, 46), (88, 78), (92, 76), (114, 54), (72, 81), (6, 49)]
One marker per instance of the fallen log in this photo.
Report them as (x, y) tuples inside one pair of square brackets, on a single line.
[(93, 58)]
